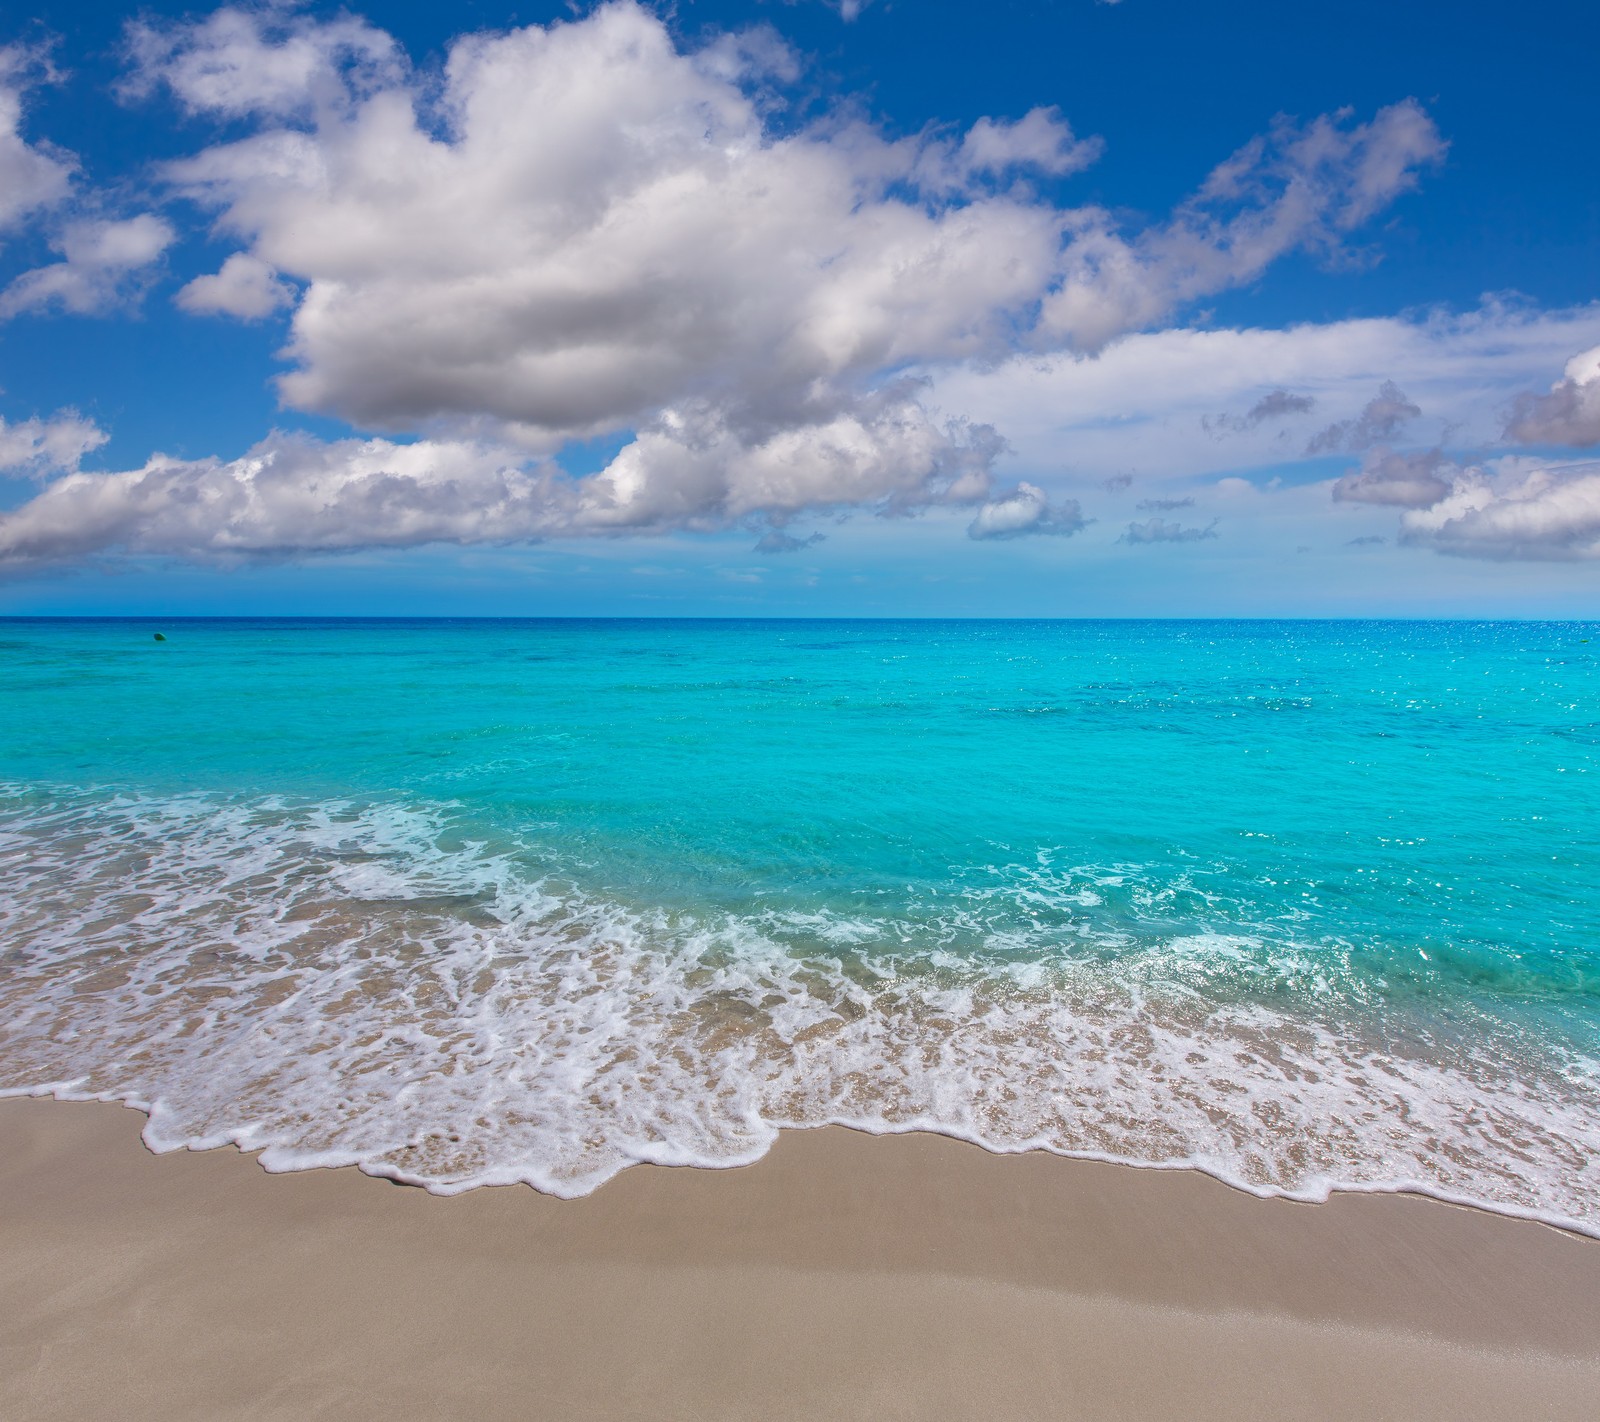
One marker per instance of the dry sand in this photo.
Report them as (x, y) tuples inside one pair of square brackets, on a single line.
[(845, 1276)]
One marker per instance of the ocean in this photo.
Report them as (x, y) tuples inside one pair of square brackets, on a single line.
[(1305, 905)]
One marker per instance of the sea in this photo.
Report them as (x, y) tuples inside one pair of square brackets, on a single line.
[(1309, 906)]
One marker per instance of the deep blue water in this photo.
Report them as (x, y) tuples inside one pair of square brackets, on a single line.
[(1302, 903)]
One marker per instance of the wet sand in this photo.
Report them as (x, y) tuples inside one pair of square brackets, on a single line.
[(845, 1276)]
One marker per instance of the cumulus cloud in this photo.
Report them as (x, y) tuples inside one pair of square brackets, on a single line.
[(1160, 530), (1381, 418), (693, 469), (103, 262), (667, 249), (1410, 481), (266, 62), (40, 447), (1506, 509), (288, 495), (246, 288), (1569, 414), (582, 228), (32, 176), (1025, 510), (1041, 141), (294, 495), (1543, 512)]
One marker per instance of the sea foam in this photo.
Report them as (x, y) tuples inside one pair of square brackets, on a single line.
[(381, 984)]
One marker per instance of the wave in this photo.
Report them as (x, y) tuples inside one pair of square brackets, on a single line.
[(394, 987)]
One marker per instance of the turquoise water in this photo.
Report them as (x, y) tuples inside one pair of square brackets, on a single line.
[(1303, 904)]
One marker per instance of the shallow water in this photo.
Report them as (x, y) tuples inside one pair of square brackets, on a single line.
[(1303, 904)]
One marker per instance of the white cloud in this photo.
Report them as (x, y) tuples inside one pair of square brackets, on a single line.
[(1519, 510), (286, 495), (298, 495), (581, 229), (1073, 422), (40, 447), (1510, 508), (101, 255), (103, 260), (1040, 140), (1569, 414), (32, 176), (694, 470), (666, 249), (1299, 188), (246, 287), (1410, 481), (1025, 510), (1140, 400), (267, 62)]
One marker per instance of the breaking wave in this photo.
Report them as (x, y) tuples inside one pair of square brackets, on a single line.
[(391, 986)]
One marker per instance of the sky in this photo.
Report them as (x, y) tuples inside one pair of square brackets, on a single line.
[(895, 308)]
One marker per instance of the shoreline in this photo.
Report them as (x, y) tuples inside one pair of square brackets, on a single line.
[(1327, 1191), (843, 1275)]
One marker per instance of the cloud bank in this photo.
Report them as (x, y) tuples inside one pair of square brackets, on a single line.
[(586, 229), (1540, 513), (293, 495), (1509, 508), (288, 496), (589, 229)]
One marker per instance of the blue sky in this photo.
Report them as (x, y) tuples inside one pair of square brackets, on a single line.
[(1065, 309)]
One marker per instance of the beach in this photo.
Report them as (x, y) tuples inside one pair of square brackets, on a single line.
[(843, 1276), (880, 1031), (798, 711)]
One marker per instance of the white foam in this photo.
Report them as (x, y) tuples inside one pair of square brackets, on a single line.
[(342, 984)]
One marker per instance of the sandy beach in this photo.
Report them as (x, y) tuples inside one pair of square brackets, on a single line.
[(844, 1276)]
